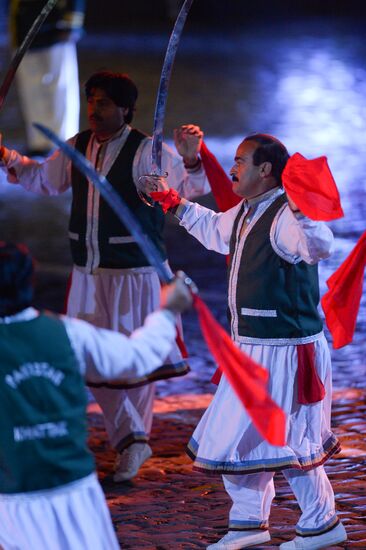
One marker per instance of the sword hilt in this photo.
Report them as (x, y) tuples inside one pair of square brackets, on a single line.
[(146, 199)]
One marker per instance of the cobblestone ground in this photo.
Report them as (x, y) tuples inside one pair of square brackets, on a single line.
[(168, 506)]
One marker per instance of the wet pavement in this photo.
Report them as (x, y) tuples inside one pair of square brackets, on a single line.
[(315, 81), (168, 507)]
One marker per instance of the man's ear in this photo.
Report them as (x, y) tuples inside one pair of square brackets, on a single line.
[(265, 169)]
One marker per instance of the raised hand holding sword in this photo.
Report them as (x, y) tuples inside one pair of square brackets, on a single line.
[(187, 140)]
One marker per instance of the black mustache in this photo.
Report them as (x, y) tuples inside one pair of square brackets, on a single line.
[(96, 118)]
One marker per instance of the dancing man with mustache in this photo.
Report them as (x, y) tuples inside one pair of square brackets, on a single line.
[(273, 293)]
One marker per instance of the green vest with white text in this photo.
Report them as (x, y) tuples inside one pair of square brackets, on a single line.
[(43, 432)]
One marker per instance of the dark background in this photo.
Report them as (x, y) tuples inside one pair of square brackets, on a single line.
[(130, 14), (207, 12)]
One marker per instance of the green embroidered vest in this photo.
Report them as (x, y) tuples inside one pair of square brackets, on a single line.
[(43, 432)]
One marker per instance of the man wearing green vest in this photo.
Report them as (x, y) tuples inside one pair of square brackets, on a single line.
[(273, 294), (113, 285), (50, 498)]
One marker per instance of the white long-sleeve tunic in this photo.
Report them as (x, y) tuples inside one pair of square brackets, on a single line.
[(225, 440), (103, 354), (294, 237), (53, 176)]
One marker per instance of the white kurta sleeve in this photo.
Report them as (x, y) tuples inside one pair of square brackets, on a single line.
[(212, 229), (104, 354), (296, 237), (50, 177), (188, 184)]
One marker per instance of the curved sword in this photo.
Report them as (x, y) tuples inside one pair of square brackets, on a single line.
[(161, 100), (19, 54), (115, 202)]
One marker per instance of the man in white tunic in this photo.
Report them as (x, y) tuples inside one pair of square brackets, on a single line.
[(113, 285), (50, 498), (273, 295)]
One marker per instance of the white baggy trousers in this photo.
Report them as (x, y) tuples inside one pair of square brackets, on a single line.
[(119, 300), (252, 497)]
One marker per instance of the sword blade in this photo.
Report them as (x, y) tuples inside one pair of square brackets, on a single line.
[(114, 200), (161, 100), (19, 54)]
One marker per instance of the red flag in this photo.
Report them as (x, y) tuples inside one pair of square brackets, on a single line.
[(221, 184), (342, 301), (248, 378), (310, 184)]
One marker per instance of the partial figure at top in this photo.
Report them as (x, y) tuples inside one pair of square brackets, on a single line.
[(47, 78)]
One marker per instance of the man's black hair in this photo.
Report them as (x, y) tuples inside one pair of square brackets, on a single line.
[(270, 150), (16, 278), (117, 86)]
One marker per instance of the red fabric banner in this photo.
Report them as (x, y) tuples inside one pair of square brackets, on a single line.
[(221, 184), (342, 301), (248, 378), (310, 184), (310, 388)]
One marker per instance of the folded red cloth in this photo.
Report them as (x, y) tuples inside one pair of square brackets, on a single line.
[(167, 199), (310, 184)]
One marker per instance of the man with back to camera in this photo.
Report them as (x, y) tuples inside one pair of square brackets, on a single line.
[(113, 285), (50, 497)]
